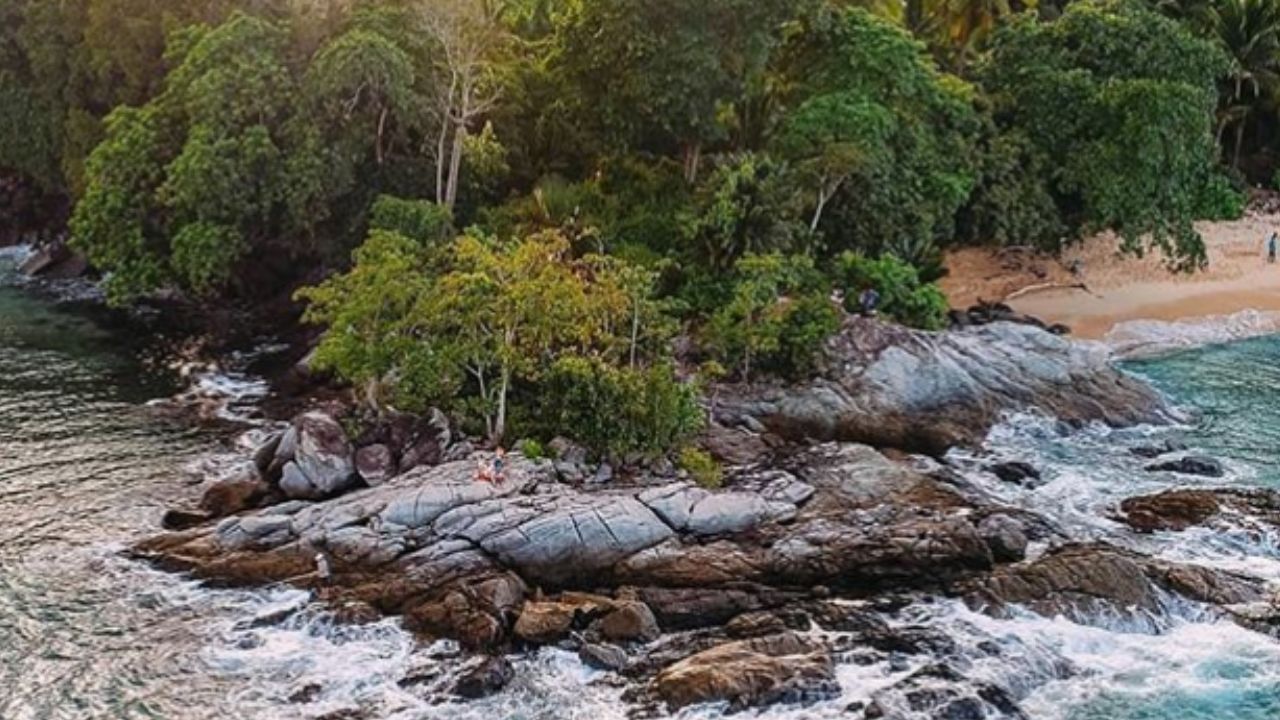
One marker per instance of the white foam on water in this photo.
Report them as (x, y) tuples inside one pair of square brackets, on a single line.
[(1152, 338)]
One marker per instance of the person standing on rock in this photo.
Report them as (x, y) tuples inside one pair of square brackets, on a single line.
[(323, 573)]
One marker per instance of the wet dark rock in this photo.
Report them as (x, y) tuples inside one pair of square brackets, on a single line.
[(1086, 581), (1174, 510), (1005, 536), (734, 446), (1018, 473), (1151, 452), (751, 673), (1190, 465), (488, 676), (941, 692), (242, 489), (308, 693), (184, 519), (265, 454), (603, 656), (1177, 510)]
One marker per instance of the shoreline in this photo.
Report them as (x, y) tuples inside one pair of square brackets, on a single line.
[(1121, 290)]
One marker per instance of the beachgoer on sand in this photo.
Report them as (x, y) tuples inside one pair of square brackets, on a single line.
[(1271, 247)]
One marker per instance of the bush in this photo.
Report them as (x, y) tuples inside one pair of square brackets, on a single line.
[(617, 410), (703, 468), (1220, 200), (775, 319), (420, 220), (532, 449), (902, 296)]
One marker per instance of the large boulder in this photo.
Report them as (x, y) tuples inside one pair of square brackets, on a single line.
[(323, 455), (484, 677), (1088, 581), (748, 673), (1183, 508), (628, 621), (890, 386), (375, 464), (239, 490), (1005, 536)]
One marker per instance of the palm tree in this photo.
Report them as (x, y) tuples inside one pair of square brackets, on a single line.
[(1249, 31)]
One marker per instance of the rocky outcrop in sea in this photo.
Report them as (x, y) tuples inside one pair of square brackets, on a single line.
[(747, 594)]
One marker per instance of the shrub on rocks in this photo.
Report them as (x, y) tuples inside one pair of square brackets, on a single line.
[(702, 468)]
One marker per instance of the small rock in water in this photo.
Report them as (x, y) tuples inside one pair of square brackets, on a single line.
[(1190, 465), (183, 519), (603, 656), (1151, 452), (488, 677), (1020, 473), (308, 693)]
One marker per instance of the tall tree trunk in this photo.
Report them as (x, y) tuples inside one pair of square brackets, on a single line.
[(635, 331), (500, 428), (817, 212), (692, 158), (446, 122), (382, 127), (455, 164)]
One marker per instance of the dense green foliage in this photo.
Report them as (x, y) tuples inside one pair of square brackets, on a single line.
[(1120, 101), (776, 317), (520, 204), (902, 296)]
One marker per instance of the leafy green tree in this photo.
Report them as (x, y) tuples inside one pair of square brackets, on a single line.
[(1120, 101), (363, 83), (658, 73), (832, 137), (777, 317), (206, 153), (1012, 203), (903, 296), (420, 220), (873, 109), (371, 337), (491, 325), (615, 411), (744, 207)]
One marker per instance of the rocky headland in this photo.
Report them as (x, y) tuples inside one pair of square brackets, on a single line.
[(748, 593)]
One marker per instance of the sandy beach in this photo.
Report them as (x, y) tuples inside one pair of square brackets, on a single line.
[(1122, 288)]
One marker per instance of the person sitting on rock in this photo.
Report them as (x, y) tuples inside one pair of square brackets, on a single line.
[(484, 471), (499, 464), (869, 300)]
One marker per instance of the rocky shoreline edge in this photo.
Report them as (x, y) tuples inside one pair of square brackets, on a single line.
[(746, 594)]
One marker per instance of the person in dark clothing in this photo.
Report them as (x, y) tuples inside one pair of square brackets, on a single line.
[(869, 300), (1271, 247)]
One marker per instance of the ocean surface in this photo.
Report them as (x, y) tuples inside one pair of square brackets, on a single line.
[(86, 467)]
